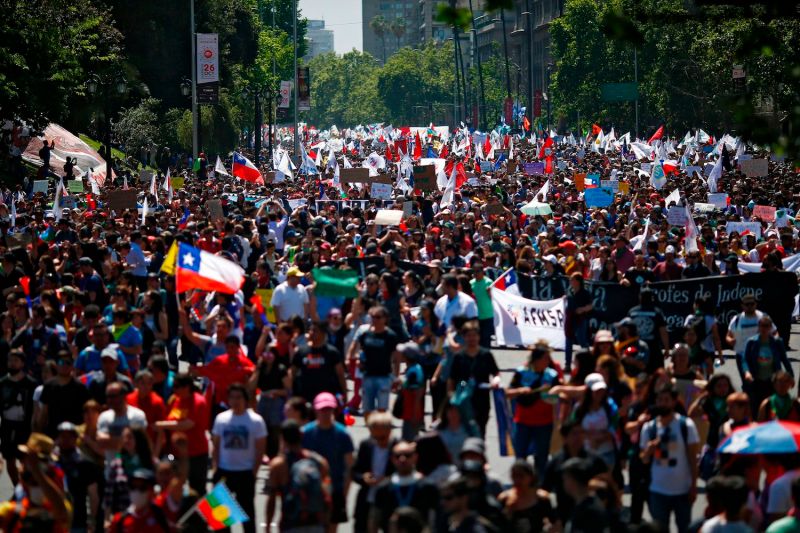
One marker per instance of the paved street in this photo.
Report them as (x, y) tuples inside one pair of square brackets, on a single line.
[(507, 360)]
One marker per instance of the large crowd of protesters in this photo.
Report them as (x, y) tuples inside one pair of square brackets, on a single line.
[(123, 402)]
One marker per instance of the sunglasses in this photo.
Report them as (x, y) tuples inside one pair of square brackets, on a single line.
[(403, 454)]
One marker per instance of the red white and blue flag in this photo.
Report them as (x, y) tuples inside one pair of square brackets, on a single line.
[(197, 269), (244, 169), (507, 282)]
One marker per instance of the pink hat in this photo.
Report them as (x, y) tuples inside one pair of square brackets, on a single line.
[(325, 400)]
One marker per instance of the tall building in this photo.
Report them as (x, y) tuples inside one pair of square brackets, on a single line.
[(319, 39), (399, 26)]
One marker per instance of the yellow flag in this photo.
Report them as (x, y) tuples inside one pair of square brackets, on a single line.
[(168, 266)]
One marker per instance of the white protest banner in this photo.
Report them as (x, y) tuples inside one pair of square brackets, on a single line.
[(719, 199), (692, 169), (676, 215), (521, 322), (40, 186), (754, 168), (741, 227), (610, 184), (294, 203), (790, 264), (646, 167), (381, 191), (388, 217), (702, 207)]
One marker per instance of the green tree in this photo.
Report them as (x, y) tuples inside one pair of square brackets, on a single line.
[(46, 49), (379, 26), (137, 127), (398, 28)]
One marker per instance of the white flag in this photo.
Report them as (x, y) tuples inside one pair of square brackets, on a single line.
[(125, 182), (153, 185), (714, 175), (57, 202), (674, 196), (144, 210), (449, 191), (543, 192), (284, 167), (690, 243), (167, 183), (13, 212), (219, 168)]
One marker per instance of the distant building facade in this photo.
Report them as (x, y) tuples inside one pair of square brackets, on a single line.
[(319, 39)]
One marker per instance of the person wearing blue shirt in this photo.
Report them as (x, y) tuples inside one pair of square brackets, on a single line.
[(89, 359), (763, 356), (330, 439)]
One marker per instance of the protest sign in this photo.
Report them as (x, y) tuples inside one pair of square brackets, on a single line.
[(354, 175), (381, 191), (719, 199), (562, 165), (624, 187), (425, 177), (120, 200), (75, 186), (294, 203), (764, 212), (269, 176), (676, 215), (500, 152), (702, 207), (69, 202), (692, 169), (610, 184), (775, 292), (214, 208), (741, 227), (593, 178), (388, 217), (598, 197), (534, 169), (177, 182), (408, 209), (521, 322), (580, 181), (754, 168), (145, 176), (40, 186), (646, 167)]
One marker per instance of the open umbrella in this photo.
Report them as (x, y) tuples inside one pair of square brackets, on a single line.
[(534, 208), (773, 437)]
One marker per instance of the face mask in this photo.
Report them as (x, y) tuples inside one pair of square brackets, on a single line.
[(138, 498), (36, 495)]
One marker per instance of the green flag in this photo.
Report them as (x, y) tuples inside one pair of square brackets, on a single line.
[(332, 282), (196, 165)]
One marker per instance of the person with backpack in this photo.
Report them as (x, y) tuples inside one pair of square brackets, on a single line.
[(670, 446), (705, 326), (143, 514), (331, 440), (240, 440), (299, 478)]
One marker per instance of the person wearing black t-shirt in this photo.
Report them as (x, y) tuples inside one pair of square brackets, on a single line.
[(588, 514), (476, 366), (16, 409), (638, 274), (378, 360), (63, 397), (318, 367), (652, 328)]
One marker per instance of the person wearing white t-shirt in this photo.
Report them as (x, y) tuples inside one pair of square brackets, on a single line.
[(779, 501), (670, 445), (742, 327), (290, 298), (454, 302), (240, 440), (115, 419)]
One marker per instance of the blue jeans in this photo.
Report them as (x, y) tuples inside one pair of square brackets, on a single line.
[(580, 336), (536, 437), (661, 506), (375, 392)]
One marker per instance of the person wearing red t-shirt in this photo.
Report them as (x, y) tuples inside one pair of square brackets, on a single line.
[(143, 514), (208, 242), (148, 401), (532, 415), (188, 413), (231, 367)]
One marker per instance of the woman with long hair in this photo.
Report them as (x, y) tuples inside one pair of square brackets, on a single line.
[(395, 303), (426, 332), (526, 506), (598, 416)]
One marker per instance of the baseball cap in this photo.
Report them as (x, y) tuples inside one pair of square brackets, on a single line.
[(110, 352), (550, 258), (67, 426), (294, 271), (325, 400), (670, 249), (595, 381), (603, 335), (473, 445)]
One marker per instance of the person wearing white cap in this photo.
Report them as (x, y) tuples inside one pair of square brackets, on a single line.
[(290, 297), (668, 269), (598, 416)]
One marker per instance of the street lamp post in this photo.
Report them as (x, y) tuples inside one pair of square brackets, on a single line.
[(549, 96), (193, 65), (105, 84), (261, 96)]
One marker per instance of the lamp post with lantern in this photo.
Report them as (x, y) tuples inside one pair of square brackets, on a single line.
[(106, 85)]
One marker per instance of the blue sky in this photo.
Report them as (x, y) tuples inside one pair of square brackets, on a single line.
[(342, 16)]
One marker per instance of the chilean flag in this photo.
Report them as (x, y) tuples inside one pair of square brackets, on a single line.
[(197, 269), (507, 282), (657, 135), (244, 169)]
